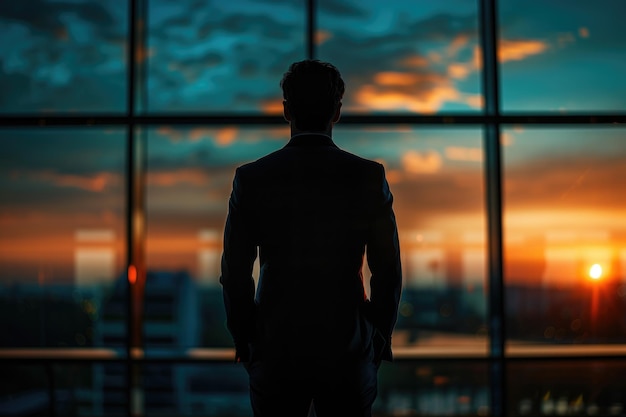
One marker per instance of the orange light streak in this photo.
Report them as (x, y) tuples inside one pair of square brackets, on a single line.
[(132, 274)]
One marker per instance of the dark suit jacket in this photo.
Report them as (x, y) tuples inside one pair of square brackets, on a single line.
[(312, 210)]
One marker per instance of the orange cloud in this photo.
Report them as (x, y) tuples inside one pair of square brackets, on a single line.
[(459, 153), (474, 100), (394, 176), (507, 139), (200, 132), (174, 135), (322, 36), (477, 57), (415, 61), (518, 50), (457, 43), (226, 136), (424, 99), (95, 183), (415, 162), (583, 32), (222, 137), (434, 56), (459, 70), (141, 54), (396, 78), (170, 178), (272, 106)]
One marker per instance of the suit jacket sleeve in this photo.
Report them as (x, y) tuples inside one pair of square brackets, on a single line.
[(383, 256), (237, 262)]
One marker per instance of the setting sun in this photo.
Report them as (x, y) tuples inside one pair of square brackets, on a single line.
[(595, 272)]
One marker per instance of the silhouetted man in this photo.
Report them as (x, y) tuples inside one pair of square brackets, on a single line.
[(312, 210)]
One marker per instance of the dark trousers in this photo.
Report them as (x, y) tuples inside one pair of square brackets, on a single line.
[(335, 388)]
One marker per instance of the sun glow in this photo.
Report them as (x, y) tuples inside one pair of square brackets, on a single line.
[(595, 272)]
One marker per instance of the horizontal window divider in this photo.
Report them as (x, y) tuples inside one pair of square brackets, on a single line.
[(225, 355), (347, 119)]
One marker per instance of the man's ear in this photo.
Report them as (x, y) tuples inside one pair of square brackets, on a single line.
[(337, 113), (286, 113)]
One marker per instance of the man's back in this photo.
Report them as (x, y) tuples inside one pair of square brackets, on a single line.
[(311, 209)]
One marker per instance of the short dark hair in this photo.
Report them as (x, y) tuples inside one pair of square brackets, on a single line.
[(312, 90)]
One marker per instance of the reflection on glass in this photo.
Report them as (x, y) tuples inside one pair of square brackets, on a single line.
[(414, 388), (399, 56), (562, 56), (565, 236), (64, 389), (404, 388), (436, 178), (189, 179), (221, 57), (211, 390), (27, 391), (61, 246), (566, 388), (63, 56)]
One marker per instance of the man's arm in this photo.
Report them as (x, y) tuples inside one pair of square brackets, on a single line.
[(383, 257), (236, 278)]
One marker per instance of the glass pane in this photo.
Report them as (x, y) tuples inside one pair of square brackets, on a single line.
[(63, 389), (415, 388), (436, 178), (63, 56), (221, 56), (565, 236), (562, 387), (26, 392), (403, 56), (208, 390), (562, 56), (189, 180), (63, 237)]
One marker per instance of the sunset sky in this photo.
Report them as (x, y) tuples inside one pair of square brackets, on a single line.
[(397, 57)]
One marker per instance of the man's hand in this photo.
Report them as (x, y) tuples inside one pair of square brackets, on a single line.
[(242, 353)]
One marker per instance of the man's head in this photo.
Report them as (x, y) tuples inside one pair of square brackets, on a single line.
[(312, 93)]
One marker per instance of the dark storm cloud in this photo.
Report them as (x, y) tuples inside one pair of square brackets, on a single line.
[(380, 66), (15, 88), (57, 71), (248, 69), (82, 94), (41, 15), (260, 47), (207, 59), (370, 52), (604, 24), (338, 8), (64, 150), (341, 9), (266, 26), (443, 26)]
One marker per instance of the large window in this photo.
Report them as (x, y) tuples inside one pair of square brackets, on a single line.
[(499, 123)]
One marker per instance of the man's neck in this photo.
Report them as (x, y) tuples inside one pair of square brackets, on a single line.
[(328, 132)]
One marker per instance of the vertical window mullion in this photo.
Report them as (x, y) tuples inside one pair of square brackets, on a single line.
[(311, 28), (134, 204), (493, 187)]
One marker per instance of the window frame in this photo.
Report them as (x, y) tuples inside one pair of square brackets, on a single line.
[(490, 119)]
